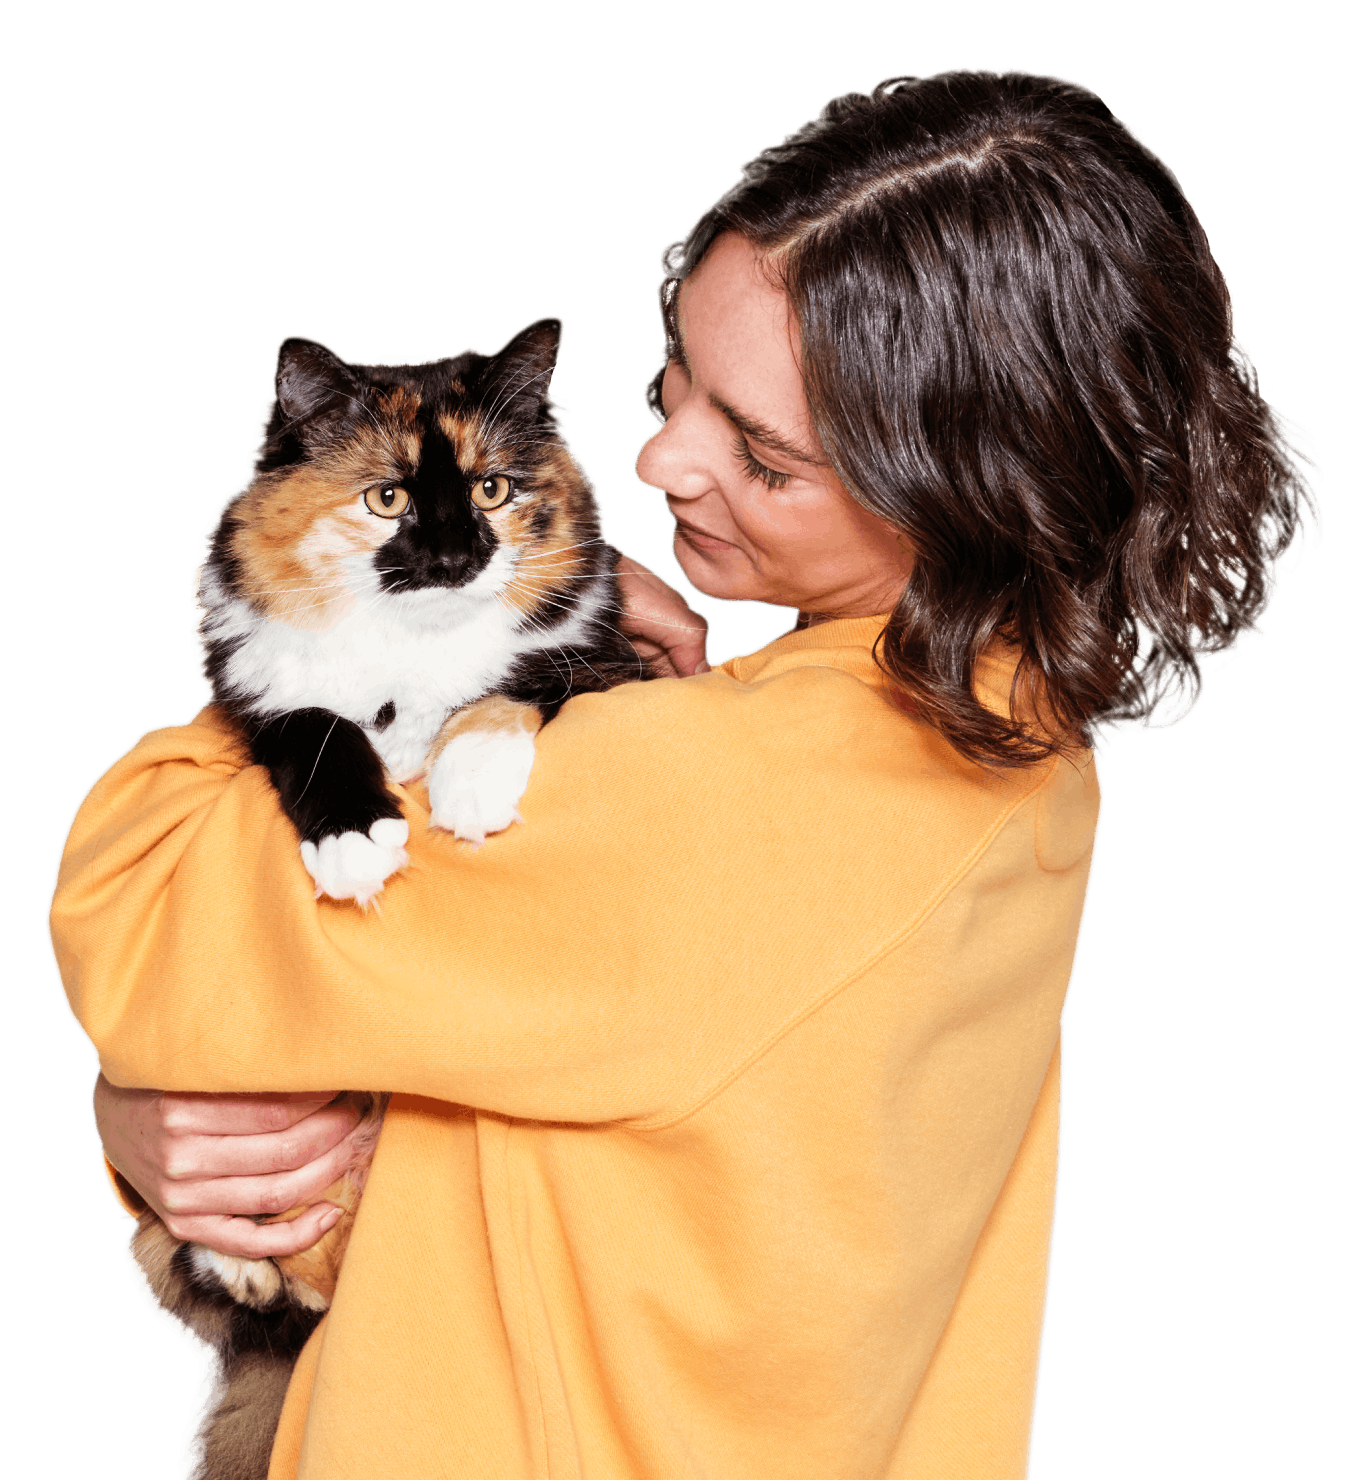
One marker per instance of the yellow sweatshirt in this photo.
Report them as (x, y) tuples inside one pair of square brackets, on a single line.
[(725, 1121)]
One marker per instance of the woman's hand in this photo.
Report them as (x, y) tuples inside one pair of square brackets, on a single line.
[(659, 623), (205, 1163)]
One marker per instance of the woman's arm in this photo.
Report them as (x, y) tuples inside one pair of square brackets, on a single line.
[(698, 862), (206, 1163), (547, 974)]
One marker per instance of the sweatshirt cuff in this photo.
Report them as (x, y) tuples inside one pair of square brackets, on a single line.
[(127, 1194)]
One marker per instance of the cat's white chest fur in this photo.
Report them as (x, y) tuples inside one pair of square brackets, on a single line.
[(424, 653), (397, 664)]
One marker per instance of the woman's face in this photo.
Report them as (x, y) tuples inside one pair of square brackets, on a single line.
[(759, 514)]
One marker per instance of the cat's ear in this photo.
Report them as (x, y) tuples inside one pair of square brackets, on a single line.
[(312, 382), (521, 372)]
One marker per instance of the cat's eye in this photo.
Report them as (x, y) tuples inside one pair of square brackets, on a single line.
[(387, 500), (491, 493)]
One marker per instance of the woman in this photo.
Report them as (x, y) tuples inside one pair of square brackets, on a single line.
[(725, 1122)]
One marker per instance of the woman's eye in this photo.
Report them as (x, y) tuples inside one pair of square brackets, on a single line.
[(388, 500), (756, 469), (491, 493)]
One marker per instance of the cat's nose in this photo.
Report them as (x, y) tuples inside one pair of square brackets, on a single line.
[(450, 567)]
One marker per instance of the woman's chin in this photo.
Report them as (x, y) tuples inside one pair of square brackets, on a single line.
[(721, 571)]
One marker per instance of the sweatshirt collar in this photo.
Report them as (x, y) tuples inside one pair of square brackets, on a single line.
[(850, 639), (838, 632)]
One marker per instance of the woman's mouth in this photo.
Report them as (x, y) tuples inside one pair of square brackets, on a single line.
[(700, 539)]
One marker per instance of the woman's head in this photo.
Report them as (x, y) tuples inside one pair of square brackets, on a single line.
[(1015, 352), (760, 513)]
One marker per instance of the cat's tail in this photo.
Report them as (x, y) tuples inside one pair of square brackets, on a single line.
[(257, 1342), (237, 1436)]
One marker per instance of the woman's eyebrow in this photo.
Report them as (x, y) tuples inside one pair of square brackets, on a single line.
[(748, 426), (757, 431)]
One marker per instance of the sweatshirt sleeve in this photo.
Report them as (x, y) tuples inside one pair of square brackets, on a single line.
[(698, 860)]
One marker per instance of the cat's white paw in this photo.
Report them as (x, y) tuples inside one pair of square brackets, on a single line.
[(253, 1282), (477, 781), (351, 866)]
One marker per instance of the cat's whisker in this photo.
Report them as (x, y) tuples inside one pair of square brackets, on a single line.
[(543, 604), (291, 590), (551, 588), (547, 600), (566, 573), (317, 761), (568, 649), (560, 550), (572, 653), (547, 653), (535, 623), (571, 567)]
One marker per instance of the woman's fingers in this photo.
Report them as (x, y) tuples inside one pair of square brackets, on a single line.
[(185, 1173), (253, 1196), (234, 1115), (659, 622), (249, 1240), (193, 1158)]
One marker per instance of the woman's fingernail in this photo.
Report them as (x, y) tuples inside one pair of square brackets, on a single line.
[(329, 1220)]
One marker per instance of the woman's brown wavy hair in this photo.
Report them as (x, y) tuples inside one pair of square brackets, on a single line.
[(1017, 349)]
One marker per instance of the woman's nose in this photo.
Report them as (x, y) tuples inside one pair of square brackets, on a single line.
[(670, 461)]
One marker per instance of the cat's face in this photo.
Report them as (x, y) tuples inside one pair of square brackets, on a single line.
[(427, 488)]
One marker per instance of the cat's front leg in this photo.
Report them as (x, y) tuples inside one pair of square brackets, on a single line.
[(479, 766), (333, 788)]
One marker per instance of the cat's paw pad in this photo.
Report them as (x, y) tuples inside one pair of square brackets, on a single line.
[(477, 781), (353, 866)]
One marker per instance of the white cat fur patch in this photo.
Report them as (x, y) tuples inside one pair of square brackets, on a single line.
[(254, 1282), (429, 652), (476, 783), (352, 866)]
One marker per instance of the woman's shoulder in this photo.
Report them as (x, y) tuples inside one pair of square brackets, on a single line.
[(803, 742)]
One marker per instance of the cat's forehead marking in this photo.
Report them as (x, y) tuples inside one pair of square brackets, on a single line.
[(466, 432), (400, 405), (374, 449)]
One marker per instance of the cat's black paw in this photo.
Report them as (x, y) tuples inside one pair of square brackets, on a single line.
[(332, 786)]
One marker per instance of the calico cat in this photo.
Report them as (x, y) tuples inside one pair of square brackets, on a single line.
[(415, 580), (412, 585)]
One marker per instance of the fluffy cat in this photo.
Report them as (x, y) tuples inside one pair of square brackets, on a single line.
[(414, 581), (412, 585)]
